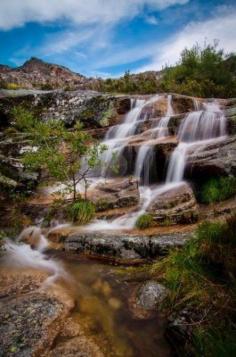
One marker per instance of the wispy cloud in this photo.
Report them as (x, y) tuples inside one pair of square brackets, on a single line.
[(15, 13), (220, 27)]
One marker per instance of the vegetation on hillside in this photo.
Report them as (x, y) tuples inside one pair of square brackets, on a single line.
[(201, 71)]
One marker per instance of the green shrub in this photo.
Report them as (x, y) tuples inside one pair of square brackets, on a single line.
[(220, 189), (144, 221), (81, 212), (23, 118)]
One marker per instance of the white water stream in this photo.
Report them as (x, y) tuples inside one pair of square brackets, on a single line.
[(199, 128), (20, 254)]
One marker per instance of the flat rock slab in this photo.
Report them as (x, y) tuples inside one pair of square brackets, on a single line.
[(122, 246)]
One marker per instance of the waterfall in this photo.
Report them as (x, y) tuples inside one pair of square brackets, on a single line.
[(117, 136), (143, 161), (21, 255), (197, 129), (162, 128)]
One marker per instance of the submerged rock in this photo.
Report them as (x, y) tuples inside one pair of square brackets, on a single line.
[(151, 294)]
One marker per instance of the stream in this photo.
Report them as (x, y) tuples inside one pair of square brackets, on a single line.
[(102, 293)]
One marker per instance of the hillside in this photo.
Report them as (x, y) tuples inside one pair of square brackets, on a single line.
[(37, 74)]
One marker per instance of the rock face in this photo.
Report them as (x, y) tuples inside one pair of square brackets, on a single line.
[(91, 108), (121, 246), (215, 159), (115, 194), (175, 205)]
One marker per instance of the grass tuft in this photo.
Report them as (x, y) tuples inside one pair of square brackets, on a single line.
[(144, 221), (81, 212)]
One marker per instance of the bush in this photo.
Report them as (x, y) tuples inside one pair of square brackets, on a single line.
[(144, 221), (81, 212), (203, 72), (216, 190), (24, 119)]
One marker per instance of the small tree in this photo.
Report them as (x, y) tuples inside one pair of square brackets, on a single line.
[(68, 155)]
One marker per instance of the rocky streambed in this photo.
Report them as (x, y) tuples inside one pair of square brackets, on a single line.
[(87, 309)]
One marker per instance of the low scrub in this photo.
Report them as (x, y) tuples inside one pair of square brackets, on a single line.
[(81, 212), (216, 190), (144, 221)]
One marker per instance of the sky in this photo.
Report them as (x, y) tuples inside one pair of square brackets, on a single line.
[(105, 38)]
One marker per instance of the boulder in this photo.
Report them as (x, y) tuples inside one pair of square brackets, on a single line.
[(121, 246), (115, 193), (213, 159), (151, 294), (145, 300), (174, 204)]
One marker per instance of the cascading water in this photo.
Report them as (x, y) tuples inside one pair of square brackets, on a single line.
[(21, 255), (144, 157), (161, 130), (197, 129), (118, 135)]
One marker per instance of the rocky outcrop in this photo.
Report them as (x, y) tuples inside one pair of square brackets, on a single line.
[(214, 159), (91, 108), (122, 247), (115, 194), (176, 204)]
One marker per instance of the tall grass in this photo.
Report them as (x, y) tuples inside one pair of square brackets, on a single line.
[(81, 212)]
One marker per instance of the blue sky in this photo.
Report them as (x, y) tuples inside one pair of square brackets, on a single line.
[(107, 37)]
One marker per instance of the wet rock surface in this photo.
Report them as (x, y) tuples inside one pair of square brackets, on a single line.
[(151, 294), (121, 246), (35, 321), (25, 322), (115, 194), (175, 205), (214, 159)]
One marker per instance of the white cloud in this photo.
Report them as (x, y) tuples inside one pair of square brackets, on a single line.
[(220, 27), (15, 13)]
